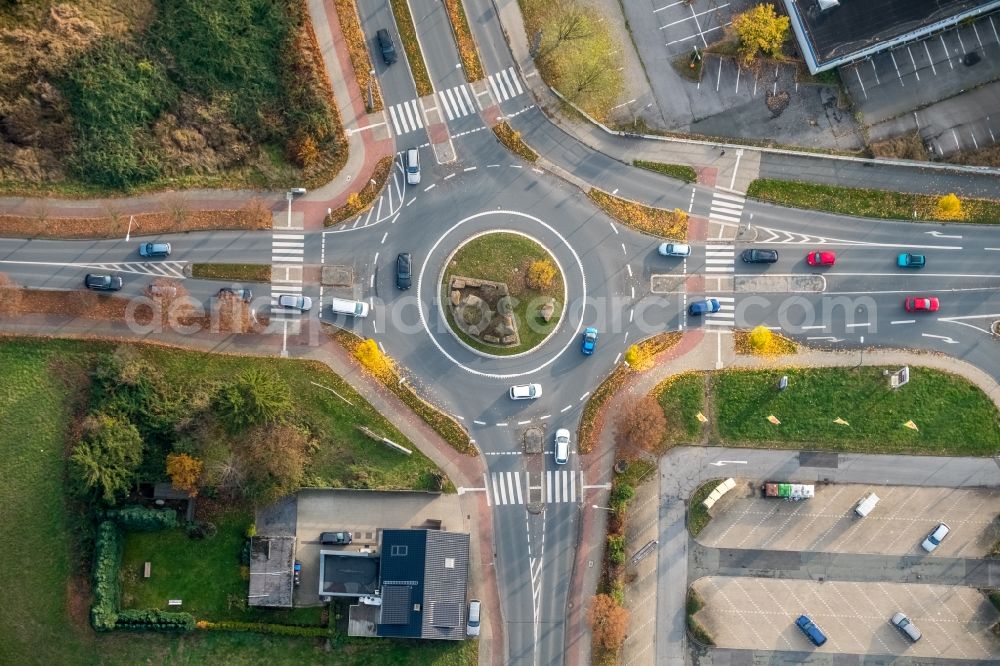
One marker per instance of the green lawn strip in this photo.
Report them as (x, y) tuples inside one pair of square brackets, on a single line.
[(504, 257), (954, 417), (407, 33), (682, 397), (867, 203), (679, 171), (693, 605), (232, 272), (698, 515)]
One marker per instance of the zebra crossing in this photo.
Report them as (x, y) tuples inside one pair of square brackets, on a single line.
[(455, 102), (406, 116), (726, 316), (558, 486), (720, 258), (287, 257)]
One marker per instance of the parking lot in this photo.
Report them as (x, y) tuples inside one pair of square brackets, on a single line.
[(827, 522), (760, 614)]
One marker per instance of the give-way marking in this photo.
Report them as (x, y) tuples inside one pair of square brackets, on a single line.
[(941, 337)]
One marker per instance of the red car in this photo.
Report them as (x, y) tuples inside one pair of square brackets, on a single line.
[(821, 258), (921, 304)]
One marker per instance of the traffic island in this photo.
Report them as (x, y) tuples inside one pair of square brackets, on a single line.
[(503, 293)]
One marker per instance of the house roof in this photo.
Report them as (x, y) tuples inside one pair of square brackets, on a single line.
[(424, 582)]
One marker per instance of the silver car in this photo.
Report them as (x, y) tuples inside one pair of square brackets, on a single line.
[(674, 250), (903, 623), (935, 538), (412, 166), (562, 446), (300, 303), (525, 391)]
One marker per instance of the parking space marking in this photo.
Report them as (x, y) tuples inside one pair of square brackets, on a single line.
[(929, 58), (947, 55), (916, 73)]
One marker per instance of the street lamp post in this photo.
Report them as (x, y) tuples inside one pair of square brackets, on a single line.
[(371, 99), (606, 508)]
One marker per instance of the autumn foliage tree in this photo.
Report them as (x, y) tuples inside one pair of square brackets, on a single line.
[(640, 427), (638, 358), (541, 274), (608, 620), (761, 32), (184, 472), (275, 457)]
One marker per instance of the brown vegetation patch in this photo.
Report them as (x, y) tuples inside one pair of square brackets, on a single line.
[(989, 156), (908, 147), (513, 141), (671, 224), (466, 44), (114, 224), (594, 414), (357, 47)]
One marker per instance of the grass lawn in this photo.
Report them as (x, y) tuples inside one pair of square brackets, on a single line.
[(679, 171), (953, 416), (682, 397), (505, 257), (44, 619), (868, 203), (698, 516)]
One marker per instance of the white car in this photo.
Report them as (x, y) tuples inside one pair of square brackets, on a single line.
[(472, 626), (935, 538), (412, 166), (562, 446), (525, 391), (300, 303), (674, 250)]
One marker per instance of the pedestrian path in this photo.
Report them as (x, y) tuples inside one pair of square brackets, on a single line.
[(505, 85), (457, 102), (726, 209), (726, 316), (406, 117), (720, 258), (557, 487)]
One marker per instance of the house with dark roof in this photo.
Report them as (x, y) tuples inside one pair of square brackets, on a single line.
[(423, 584)]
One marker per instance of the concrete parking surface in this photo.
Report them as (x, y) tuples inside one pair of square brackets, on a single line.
[(827, 522), (760, 613)]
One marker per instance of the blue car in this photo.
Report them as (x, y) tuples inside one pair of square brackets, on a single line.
[(589, 341), (907, 260), (704, 306), (811, 631)]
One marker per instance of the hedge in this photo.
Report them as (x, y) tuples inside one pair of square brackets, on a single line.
[(263, 628), (142, 519), (107, 562), (153, 619)]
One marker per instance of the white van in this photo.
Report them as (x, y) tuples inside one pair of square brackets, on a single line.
[(351, 308), (866, 505)]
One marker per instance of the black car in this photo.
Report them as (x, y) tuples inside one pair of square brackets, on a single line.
[(757, 256), (386, 46), (244, 294), (335, 538), (403, 270), (102, 282)]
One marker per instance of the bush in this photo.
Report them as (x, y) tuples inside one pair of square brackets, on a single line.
[(104, 462), (640, 427), (263, 628), (152, 619), (609, 621), (184, 471), (949, 207), (255, 397), (143, 519), (621, 494), (107, 562), (371, 357), (541, 273), (616, 549)]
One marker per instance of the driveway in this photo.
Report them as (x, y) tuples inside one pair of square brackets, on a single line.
[(760, 613)]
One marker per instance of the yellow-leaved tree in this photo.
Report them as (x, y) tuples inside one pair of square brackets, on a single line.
[(761, 32), (949, 207), (184, 471)]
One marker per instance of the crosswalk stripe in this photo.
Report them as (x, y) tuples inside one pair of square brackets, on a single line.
[(720, 269), (460, 102), (717, 246), (287, 250), (503, 490), (454, 106), (517, 84), (572, 486), (720, 253), (510, 485), (496, 495), (409, 116), (395, 120), (276, 259), (496, 93), (416, 113), (472, 106), (287, 244), (282, 288), (548, 486), (727, 204), (444, 103), (565, 492), (730, 197), (506, 79), (503, 91), (725, 218), (517, 481), (288, 236), (725, 299)]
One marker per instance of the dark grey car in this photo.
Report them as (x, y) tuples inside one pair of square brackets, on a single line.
[(102, 282), (758, 256), (403, 270), (385, 46), (335, 538)]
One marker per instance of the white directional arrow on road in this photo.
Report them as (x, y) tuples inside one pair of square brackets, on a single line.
[(828, 338), (720, 463), (938, 234), (941, 337)]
